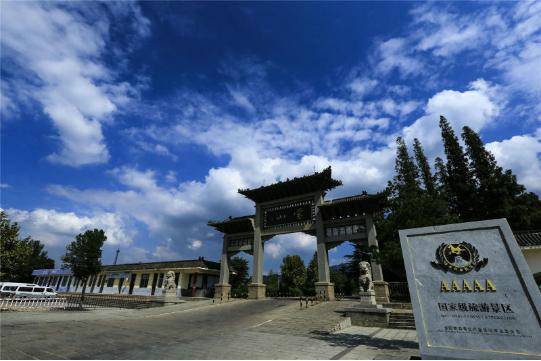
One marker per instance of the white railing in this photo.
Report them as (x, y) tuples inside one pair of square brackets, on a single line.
[(32, 302)]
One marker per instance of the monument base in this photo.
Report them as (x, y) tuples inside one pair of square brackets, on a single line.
[(368, 315), (325, 290), (381, 288), (222, 291), (367, 297), (170, 297), (256, 291)]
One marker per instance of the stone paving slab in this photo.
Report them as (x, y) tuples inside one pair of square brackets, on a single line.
[(269, 329)]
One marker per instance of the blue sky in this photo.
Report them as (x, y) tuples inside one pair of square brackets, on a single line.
[(145, 118)]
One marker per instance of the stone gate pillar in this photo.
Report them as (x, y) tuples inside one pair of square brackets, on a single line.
[(256, 289), (222, 290), (324, 287), (380, 286)]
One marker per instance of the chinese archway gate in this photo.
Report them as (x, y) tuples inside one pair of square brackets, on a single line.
[(298, 205)]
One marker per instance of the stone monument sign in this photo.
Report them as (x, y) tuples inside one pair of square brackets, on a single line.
[(472, 292)]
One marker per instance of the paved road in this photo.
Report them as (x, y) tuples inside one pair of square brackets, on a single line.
[(269, 329)]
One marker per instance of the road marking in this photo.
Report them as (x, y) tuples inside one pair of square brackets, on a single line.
[(260, 324)]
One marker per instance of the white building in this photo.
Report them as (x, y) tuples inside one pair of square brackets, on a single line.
[(530, 244), (194, 278)]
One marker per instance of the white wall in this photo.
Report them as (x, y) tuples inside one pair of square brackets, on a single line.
[(533, 258)]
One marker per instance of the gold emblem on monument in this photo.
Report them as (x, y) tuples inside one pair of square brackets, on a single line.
[(458, 258)]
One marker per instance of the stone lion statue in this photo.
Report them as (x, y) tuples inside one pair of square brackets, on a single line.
[(169, 285), (365, 277)]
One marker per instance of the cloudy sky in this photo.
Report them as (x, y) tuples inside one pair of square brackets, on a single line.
[(144, 119)]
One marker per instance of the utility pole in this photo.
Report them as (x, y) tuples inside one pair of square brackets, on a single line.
[(116, 257)]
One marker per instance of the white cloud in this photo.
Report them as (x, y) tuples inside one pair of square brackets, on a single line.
[(475, 108), (522, 154), (58, 54), (55, 228), (4, 185), (166, 251), (195, 244), (242, 100), (296, 243), (445, 34), (362, 86), (396, 54), (506, 38)]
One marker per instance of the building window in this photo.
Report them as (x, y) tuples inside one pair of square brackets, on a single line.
[(64, 281), (144, 280), (177, 277), (110, 282), (160, 280)]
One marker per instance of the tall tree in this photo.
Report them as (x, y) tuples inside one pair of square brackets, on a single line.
[(498, 192), (83, 256), (408, 206), (494, 198), (460, 183), (360, 253), (239, 277), (311, 276), (424, 167), (441, 177), (19, 257), (293, 274), (273, 283), (407, 173), (343, 283)]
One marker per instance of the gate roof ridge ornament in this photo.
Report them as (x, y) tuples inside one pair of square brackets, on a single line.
[(319, 181)]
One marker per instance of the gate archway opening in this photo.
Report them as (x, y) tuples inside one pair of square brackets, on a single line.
[(277, 249), (298, 205)]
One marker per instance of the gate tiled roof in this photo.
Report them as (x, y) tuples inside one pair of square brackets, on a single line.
[(234, 225), (319, 181), (352, 206)]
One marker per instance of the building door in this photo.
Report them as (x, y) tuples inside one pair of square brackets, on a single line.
[(132, 282), (154, 282)]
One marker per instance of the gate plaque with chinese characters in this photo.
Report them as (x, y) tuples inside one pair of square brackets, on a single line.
[(472, 292)]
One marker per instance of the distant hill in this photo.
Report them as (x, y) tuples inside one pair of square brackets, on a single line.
[(336, 267)]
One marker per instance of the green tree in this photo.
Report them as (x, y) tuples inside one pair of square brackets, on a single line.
[(273, 283), (441, 178), (424, 167), (311, 276), (408, 206), (83, 256), (293, 274), (239, 278), (360, 253), (498, 192), (460, 184), (19, 257), (343, 283)]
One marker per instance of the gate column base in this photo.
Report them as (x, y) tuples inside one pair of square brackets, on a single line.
[(222, 291), (326, 290), (256, 291), (382, 292)]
